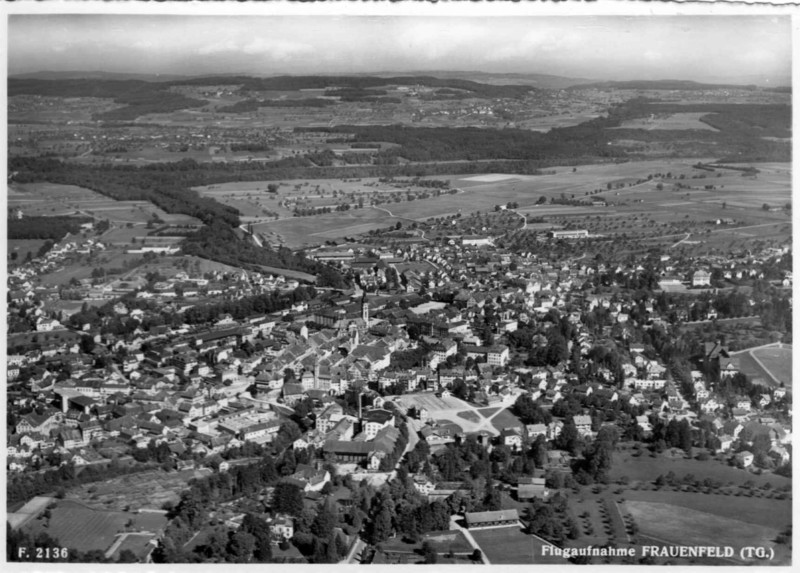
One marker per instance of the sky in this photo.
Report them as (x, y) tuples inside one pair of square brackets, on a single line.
[(701, 48)]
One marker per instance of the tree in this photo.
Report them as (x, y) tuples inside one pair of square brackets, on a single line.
[(287, 498), (429, 553), (259, 529), (477, 555), (240, 547), (325, 521), (380, 528)]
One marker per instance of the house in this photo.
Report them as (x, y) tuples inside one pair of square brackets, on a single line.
[(531, 487), (744, 459), (503, 518), (422, 484), (728, 366), (535, 430), (701, 278), (311, 479), (725, 443), (281, 526), (583, 425), (512, 437)]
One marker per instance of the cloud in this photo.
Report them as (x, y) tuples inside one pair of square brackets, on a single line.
[(277, 49), (273, 48)]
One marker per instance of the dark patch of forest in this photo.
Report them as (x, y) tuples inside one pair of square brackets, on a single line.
[(138, 97), (219, 242), (54, 228)]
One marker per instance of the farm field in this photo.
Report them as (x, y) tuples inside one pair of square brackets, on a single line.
[(315, 230), (686, 526), (57, 199), (79, 527), (146, 490), (741, 199), (687, 120)]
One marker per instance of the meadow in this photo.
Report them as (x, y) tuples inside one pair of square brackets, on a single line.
[(57, 199), (654, 210), (146, 490), (79, 527), (688, 526)]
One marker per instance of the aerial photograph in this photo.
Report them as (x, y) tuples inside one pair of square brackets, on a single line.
[(398, 289)]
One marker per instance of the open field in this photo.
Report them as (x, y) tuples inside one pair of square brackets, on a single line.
[(505, 419), (77, 526), (19, 516), (56, 199), (314, 230), (757, 510), (453, 410), (469, 416), (778, 362), (509, 545), (19, 248), (637, 209), (146, 490), (645, 468), (686, 526), (443, 542), (687, 120)]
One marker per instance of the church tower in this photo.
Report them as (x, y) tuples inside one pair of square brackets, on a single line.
[(365, 309)]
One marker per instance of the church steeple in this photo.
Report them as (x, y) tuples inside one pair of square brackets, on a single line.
[(365, 309)]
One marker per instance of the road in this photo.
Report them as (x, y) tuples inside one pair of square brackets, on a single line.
[(385, 210), (254, 235), (468, 536), (524, 220), (681, 241), (354, 555)]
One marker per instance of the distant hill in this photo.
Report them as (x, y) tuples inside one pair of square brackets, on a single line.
[(541, 81), (96, 75), (685, 85)]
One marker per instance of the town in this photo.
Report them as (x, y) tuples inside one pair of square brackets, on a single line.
[(493, 381), (266, 304)]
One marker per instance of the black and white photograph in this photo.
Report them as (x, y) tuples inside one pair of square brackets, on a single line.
[(400, 284)]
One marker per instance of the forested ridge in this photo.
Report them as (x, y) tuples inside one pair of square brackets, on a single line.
[(54, 228)]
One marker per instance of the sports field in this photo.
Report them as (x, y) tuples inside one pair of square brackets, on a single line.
[(778, 362), (772, 364), (510, 546)]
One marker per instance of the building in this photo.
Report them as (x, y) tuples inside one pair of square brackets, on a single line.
[(583, 424), (701, 278), (476, 241), (501, 518), (531, 487), (375, 420), (573, 234)]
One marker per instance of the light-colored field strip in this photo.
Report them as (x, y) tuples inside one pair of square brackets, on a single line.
[(490, 178)]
